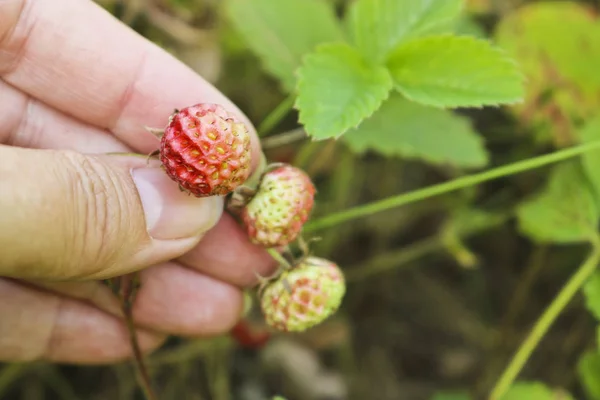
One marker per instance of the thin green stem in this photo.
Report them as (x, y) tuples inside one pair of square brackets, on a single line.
[(400, 258), (455, 184), (544, 322), (283, 139), (279, 258), (275, 116)]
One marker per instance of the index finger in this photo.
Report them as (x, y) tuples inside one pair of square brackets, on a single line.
[(78, 58)]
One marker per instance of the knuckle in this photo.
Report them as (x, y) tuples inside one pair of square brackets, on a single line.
[(15, 26)]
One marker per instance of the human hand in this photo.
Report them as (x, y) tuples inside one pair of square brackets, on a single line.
[(77, 84)]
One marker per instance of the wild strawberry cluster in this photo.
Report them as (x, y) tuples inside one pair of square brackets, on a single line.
[(206, 150)]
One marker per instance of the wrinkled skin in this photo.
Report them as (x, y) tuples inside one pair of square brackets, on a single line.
[(75, 80)]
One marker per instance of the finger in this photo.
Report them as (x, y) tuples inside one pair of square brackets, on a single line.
[(38, 325), (27, 122), (226, 253), (76, 57), (67, 215), (172, 299)]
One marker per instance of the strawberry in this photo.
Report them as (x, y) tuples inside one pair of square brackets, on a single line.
[(206, 150), (274, 216), (303, 296)]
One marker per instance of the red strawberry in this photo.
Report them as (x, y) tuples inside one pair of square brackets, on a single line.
[(275, 215), (206, 150)]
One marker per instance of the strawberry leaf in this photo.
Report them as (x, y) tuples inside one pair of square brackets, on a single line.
[(564, 212), (377, 26), (452, 395), (557, 45), (455, 71), (591, 159), (281, 32), (404, 128), (337, 90), (588, 369), (522, 390), (591, 290)]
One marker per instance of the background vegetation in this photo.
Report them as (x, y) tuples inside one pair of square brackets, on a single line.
[(441, 291)]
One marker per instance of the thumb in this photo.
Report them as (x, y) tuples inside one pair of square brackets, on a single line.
[(67, 215)]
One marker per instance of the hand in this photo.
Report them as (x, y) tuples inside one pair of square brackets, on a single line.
[(75, 85)]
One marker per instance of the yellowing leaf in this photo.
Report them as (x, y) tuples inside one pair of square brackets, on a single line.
[(557, 45)]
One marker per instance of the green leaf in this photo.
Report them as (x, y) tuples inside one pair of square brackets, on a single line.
[(281, 32), (377, 26), (403, 128), (455, 71), (591, 290), (564, 212), (591, 159), (534, 391), (452, 395), (337, 90), (588, 369)]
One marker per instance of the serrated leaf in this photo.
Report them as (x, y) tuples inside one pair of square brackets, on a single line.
[(564, 212), (377, 26), (337, 90), (452, 395), (281, 32), (591, 159), (588, 369), (591, 291), (404, 128), (534, 391), (455, 71)]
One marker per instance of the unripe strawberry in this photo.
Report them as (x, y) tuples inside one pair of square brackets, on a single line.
[(206, 150), (275, 215), (303, 296)]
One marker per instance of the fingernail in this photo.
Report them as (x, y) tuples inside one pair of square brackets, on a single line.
[(171, 213)]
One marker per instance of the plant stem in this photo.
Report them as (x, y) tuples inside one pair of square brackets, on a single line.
[(402, 257), (279, 258), (128, 295), (283, 139), (544, 322), (455, 184), (275, 116)]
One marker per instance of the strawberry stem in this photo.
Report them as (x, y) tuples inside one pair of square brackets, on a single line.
[(283, 139), (545, 321), (279, 258), (275, 116), (129, 285), (365, 210)]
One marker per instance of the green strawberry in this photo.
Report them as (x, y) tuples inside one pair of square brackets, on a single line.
[(303, 296), (276, 213)]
